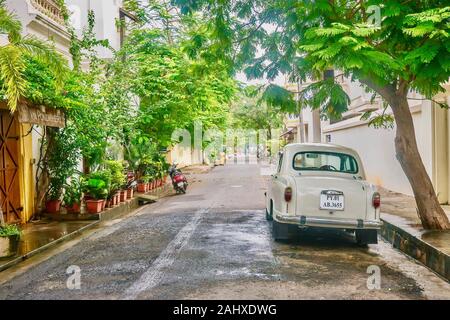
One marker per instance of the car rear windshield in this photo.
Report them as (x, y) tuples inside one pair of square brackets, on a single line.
[(325, 161)]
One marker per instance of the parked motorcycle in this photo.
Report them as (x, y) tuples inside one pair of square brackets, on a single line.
[(179, 181)]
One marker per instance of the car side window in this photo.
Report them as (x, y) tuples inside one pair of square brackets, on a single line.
[(280, 162)]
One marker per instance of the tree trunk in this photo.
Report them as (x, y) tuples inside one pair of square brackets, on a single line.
[(430, 211)]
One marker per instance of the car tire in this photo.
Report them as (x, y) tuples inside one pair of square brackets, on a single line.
[(365, 237), (269, 213)]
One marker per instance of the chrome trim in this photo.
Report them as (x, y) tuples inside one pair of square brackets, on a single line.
[(330, 223), (332, 192)]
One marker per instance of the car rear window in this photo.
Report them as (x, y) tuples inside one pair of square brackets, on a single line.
[(325, 161)]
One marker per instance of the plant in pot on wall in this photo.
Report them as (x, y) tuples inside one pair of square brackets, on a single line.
[(72, 195), (118, 179), (62, 160), (142, 185), (96, 188), (9, 238), (54, 193)]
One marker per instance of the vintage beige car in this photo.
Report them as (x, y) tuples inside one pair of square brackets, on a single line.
[(322, 186)]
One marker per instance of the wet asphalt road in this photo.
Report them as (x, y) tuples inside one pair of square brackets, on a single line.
[(214, 243)]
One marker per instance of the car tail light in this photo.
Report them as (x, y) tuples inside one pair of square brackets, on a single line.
[(376, 200), (288, 194)]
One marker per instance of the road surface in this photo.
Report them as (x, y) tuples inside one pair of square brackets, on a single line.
[(214, 243)]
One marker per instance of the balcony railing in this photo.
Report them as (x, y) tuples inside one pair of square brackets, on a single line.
[(50, 9)]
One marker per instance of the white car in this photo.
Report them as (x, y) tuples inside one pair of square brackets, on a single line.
[(324, 186)]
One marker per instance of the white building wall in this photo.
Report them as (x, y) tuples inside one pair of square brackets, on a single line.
[(106, 12), (377, 151)]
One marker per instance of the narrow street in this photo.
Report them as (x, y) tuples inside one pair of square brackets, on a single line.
[(214, 243)]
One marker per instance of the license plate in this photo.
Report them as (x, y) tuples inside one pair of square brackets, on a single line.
[(181, 184), (331, 202)]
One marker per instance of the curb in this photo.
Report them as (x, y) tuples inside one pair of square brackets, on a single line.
[(425, 253), (48, 246)]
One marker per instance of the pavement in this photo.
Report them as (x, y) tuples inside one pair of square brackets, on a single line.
[(214, 243), (401, 210)]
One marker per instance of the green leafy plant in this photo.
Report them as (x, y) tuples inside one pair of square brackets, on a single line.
[(9, 230), (98, 184), (56, 187), (73, 191), (118, 179), (13, 56), (63, 155)]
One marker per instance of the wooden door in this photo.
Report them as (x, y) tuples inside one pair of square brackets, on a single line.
[(9, 167)]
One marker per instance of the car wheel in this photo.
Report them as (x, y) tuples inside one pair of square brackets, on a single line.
[(269, 213), (365, 237)]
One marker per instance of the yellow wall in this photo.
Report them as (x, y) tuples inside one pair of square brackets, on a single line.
[(26, 179)]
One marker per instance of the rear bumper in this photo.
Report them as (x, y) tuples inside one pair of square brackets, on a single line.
[(329, 223)]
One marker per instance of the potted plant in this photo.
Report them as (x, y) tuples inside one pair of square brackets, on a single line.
[(53, 203), (118, 179), (96, 187), (9, 238), (130, 189), (72, 195), (123, 195), (142, 185)]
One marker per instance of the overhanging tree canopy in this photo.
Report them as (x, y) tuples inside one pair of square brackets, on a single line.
[(407, 49)]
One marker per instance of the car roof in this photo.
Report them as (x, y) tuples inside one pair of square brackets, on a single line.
[(298, 147)]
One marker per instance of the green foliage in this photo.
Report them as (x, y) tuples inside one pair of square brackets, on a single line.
[(10, 230), (251, 112), (410, 45), (63, 155), (98, 184), (73, 191), (174, 91), (328, 96), (118, 179), (84, 47), (13, 55), (276, 96)]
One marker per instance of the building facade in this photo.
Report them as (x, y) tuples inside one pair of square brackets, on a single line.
[(22, 131)]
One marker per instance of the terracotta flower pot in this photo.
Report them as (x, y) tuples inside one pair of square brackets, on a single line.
[(117, 198), (53, 206), (74, 208), (94, 206), (9, 246), (130, 192), (103, 204), (142, 187), (123, 195)]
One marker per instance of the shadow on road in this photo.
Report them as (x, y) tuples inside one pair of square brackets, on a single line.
[(323, 239)]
